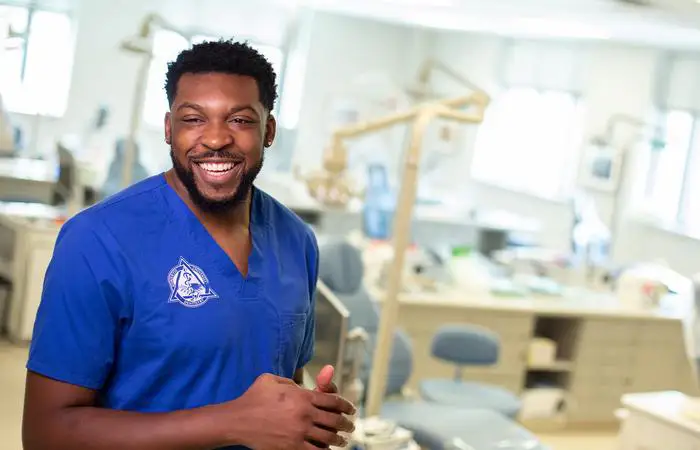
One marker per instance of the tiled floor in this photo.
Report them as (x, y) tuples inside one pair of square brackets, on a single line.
[(12, 361)]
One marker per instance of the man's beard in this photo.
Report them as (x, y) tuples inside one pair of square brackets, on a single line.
[(218, 206)]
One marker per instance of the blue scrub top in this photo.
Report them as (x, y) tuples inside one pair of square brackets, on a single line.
[(141, 304)]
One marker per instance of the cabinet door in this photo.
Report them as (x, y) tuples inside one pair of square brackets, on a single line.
[(37, 264)]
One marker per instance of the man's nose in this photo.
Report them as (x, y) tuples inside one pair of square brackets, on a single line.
[(217, 136)]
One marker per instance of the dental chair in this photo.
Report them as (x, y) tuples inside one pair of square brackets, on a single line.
[(468, 345), (435, 426)]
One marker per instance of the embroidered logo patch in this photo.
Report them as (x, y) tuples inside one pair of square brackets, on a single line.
[(189, 286)]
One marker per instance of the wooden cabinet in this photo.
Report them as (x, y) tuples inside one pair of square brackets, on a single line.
[(604, 355), (28, 251)]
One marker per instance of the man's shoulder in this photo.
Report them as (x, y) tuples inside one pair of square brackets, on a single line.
[(284, 216), (132, 196), (121, 210)]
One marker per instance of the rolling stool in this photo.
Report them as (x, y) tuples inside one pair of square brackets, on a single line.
[(466, 345)]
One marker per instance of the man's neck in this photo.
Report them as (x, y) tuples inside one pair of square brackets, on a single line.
[(236, 218)]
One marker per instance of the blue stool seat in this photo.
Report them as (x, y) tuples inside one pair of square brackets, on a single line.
[(471, 395), (444, 427)]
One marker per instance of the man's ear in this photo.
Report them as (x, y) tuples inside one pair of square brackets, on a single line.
[(270, 131), (167, 128)]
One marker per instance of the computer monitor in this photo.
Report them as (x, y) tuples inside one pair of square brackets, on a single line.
[(332, 322)]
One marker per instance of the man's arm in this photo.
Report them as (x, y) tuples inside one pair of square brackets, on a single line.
[(273, 413), (60, 416), (84, 299)]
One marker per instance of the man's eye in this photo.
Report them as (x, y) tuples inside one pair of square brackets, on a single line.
[(240, 120), (192, 120)]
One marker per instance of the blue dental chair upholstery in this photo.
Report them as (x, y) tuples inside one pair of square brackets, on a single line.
[(435, 426), (468, 345)]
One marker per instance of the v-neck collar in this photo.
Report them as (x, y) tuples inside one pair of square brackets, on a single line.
[(206, 245)]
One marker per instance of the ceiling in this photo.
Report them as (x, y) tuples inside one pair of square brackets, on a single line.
[(663, 23)]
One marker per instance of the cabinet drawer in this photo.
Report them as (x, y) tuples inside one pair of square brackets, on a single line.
[(428, 319), (601, 412), (603, 368), (601, 385), (661, 333), (659, 368), (593, 353), (609, 331)]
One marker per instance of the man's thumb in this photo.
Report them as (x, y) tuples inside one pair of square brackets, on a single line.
[(324, 379)]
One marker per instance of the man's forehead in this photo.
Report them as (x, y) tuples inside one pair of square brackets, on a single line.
[(239, 87)]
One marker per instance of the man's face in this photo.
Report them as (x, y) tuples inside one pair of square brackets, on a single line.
[(217, 128)]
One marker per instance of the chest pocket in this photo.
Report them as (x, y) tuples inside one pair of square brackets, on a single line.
[(288, 290), (293, 341)]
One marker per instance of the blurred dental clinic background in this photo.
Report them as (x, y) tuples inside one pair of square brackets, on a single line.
[(537, 272)]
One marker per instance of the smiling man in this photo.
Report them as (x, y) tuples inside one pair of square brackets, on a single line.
[(178, 314)]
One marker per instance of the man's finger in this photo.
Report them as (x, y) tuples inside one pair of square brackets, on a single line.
[(328, 389), (332, 402), (325, 438), (333, 421)]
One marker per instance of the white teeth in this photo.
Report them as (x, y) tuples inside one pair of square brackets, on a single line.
[(216, 167)]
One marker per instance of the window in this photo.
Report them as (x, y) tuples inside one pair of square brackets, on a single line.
[(672, 177), (166, 46), (531, 134), (666, 167), (36, 60), (528, 141)]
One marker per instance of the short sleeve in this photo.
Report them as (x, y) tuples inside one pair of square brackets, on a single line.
[(76, 328), (312, 261)]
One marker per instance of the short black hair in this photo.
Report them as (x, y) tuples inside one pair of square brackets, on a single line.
[(224, 56)]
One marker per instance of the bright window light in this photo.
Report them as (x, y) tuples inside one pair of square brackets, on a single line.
[(47, 49), (528, 141)]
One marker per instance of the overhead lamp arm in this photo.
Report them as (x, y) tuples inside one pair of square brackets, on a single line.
[(479, 99), (421, 116), (332, 188), (432, 65)]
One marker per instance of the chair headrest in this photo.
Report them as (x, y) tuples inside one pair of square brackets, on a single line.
[(341, 267)]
